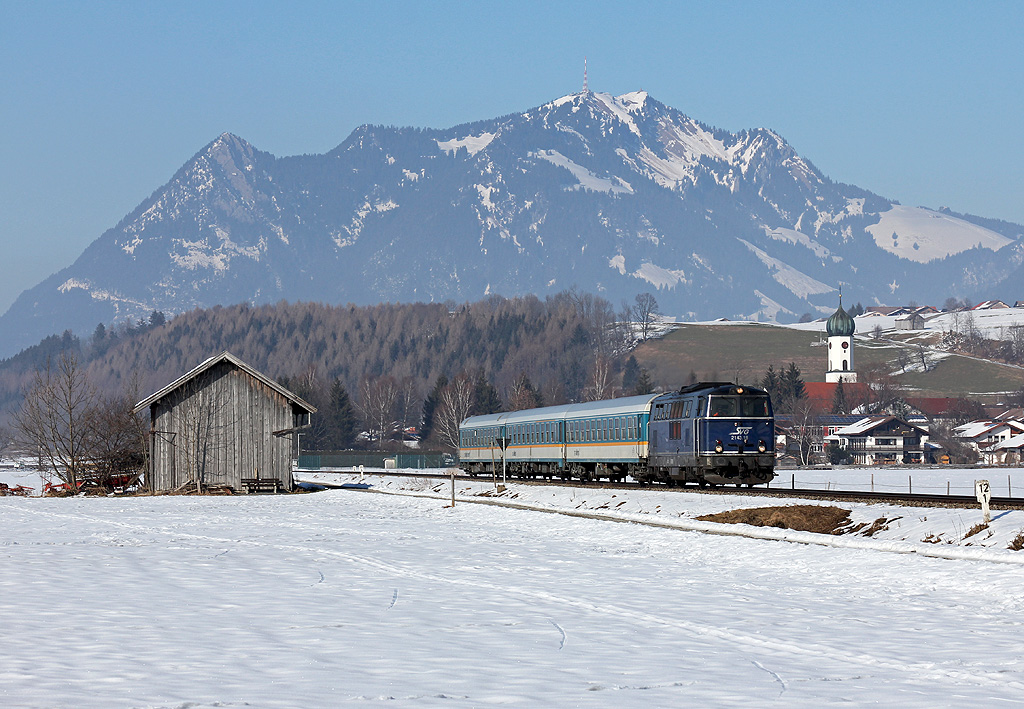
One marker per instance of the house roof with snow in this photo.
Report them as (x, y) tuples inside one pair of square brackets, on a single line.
[(977, 429), (869, 423), (1012, 442)]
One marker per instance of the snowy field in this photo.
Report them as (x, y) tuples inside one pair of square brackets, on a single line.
[(355, 598), (1005, 482)]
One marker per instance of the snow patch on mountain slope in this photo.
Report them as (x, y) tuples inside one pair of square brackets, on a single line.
[(618, 262), (473, 143), (660, 278), (793, 236), (485, 192), (770, 308), (355, 228), (798, 283), (619, 110), (587, 179), (98, 293), (922, 235)]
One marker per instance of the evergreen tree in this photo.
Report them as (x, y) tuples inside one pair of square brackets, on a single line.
[(770, 383), (485, 397), (342, 423), (785, 388), (839, 405), (643, 385), (99, 340), (792, 384), (630, 374), (430, 405)]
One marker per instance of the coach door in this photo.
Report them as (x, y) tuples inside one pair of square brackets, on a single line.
[(562, 445)]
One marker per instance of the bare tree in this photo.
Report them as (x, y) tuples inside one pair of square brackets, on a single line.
[(1016, 337), (807, 430), (117, 444), (202, 416), (647, 314), (57, 417), (377, 397), (409, 401), (903, 358), (600, 385), (522, 394), (456, 401), (625, 319)]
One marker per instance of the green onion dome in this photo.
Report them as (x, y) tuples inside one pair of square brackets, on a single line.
[(840, 324)]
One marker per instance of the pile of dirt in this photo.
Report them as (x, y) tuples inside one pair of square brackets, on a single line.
[(803, 518)]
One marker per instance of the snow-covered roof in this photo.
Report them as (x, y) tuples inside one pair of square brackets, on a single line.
[(976, 429), (862, 426)]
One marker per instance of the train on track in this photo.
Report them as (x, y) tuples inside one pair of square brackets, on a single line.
[(710, 433)]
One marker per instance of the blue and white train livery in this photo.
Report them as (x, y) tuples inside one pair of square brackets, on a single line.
[(708, 433)]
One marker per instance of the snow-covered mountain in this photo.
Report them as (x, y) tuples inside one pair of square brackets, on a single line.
[(610, 194)]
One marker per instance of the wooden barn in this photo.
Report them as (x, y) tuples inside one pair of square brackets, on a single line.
[(223, 423)]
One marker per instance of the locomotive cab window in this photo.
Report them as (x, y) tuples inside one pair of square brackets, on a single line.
[(723, 406), (754, 406)]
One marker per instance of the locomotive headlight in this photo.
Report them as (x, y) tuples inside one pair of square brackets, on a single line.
[(761, 447), (718, 447)]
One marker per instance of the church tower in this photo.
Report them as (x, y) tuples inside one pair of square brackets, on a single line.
[(840, 328)]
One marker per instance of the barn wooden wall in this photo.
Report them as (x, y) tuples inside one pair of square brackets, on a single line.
[(244, 413)]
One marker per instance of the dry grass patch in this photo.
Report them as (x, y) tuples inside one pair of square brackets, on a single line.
[(803, 518), (976, 529)]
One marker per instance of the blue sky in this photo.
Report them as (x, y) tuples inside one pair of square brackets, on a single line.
[(100, 102)]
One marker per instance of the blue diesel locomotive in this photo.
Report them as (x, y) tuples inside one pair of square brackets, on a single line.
[(709, 433)]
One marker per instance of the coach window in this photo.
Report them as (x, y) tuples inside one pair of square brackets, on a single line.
[(686, 411)]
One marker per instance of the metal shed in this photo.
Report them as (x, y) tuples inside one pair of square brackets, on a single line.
[(221, 424)]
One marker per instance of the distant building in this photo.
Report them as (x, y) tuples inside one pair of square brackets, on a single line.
[(883, 439), (982, 435), (840, 328), (221, 424), (910, 321), (991, 305)]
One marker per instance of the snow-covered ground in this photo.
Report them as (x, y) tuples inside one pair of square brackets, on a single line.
[(354, 598)]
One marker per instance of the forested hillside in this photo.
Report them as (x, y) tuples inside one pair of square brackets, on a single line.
[(565, 348)]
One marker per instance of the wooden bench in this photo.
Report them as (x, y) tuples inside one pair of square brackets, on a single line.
[(255, 485)]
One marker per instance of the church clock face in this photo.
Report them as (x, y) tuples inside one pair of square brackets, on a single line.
[(846, 345)]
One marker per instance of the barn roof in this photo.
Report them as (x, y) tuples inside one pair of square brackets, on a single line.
[(224, 357)]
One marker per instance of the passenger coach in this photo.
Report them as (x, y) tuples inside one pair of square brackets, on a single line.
[(708, 433)]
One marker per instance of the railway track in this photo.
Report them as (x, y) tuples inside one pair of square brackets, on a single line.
[(908, 499)]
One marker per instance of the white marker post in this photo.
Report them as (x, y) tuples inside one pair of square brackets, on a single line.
[(360, 474), (452, 471), (983, 492)]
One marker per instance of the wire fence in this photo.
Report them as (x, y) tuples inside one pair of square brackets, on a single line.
[(934, 483)]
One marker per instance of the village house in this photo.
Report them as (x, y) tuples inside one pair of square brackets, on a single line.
[(983, 435), (883, 439), (223, 424), (1008, 452)]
